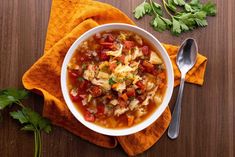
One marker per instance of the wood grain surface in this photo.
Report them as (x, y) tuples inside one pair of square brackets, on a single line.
[(207, 125)]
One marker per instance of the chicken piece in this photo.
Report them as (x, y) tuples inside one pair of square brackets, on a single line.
[(133, 104), (102, 82), (120, 110)]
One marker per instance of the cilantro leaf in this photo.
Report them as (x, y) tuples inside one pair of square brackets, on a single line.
[(201, 23), (157, 8), (209, 8), (111, 81), (9, 96), (171, 5), (188, 7), (19, 115), (160, 24), (84, 66), (30, 117), (194, 2), (179, 2), (189, 16), (176, 27), (28, 127), (141, 10), (80, 79)]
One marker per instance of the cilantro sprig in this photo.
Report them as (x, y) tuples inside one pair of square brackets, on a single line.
[(182, 16), (30, 119)]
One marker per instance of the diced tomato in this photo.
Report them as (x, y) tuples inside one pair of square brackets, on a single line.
[(141, 68), (106, 43), (85, 57), (148, 66), (155, 72), (121, 58), (100, 109), (89, 117), (141, 85), (74, 95), (73, 74), (109, 45), (110, 38), (112, 66), (122, 103), (104, 56), (145, 50), (129, 44), (95, 91), (130, 92)]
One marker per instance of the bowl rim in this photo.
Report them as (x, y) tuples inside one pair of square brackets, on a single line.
[(148, 121)]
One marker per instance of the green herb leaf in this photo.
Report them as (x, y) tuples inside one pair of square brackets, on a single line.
[(157, 8), (190, 15), (28, 116), (19, 115), (159, 24), (138, 91), (171, 5), (188, 8), (179, 2), (84, 66), (28, 127), (9, 96), (111, 81), (209, 8), (141, 10), (176, 27), (80, 79), (200, 18)]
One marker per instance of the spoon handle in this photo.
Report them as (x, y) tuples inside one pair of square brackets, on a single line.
[(173, 130)]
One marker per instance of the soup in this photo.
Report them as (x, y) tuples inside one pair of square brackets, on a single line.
[(116, 79)]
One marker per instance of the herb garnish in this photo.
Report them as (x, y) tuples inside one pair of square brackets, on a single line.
[(31, 120), (111, 81), (183, 16), (80, 79)]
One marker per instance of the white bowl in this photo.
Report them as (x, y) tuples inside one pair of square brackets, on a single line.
[(155, 115)]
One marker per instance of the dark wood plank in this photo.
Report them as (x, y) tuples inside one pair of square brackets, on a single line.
[(207, 126)]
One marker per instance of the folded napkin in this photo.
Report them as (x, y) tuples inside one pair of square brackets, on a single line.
[(69, 19)]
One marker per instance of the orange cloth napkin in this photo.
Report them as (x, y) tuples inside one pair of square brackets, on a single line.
[(69, 19)]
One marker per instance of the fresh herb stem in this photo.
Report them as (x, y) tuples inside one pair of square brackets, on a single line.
[(166, 8), (39, 143), (35, 144), (20, 104), (151, 4)]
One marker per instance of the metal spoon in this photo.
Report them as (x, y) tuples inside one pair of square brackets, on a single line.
[(186, 58)]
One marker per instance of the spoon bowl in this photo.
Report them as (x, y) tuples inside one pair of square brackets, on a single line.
[(187, 55)]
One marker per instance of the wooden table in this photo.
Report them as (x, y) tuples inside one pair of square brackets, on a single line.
[(207, 125)]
